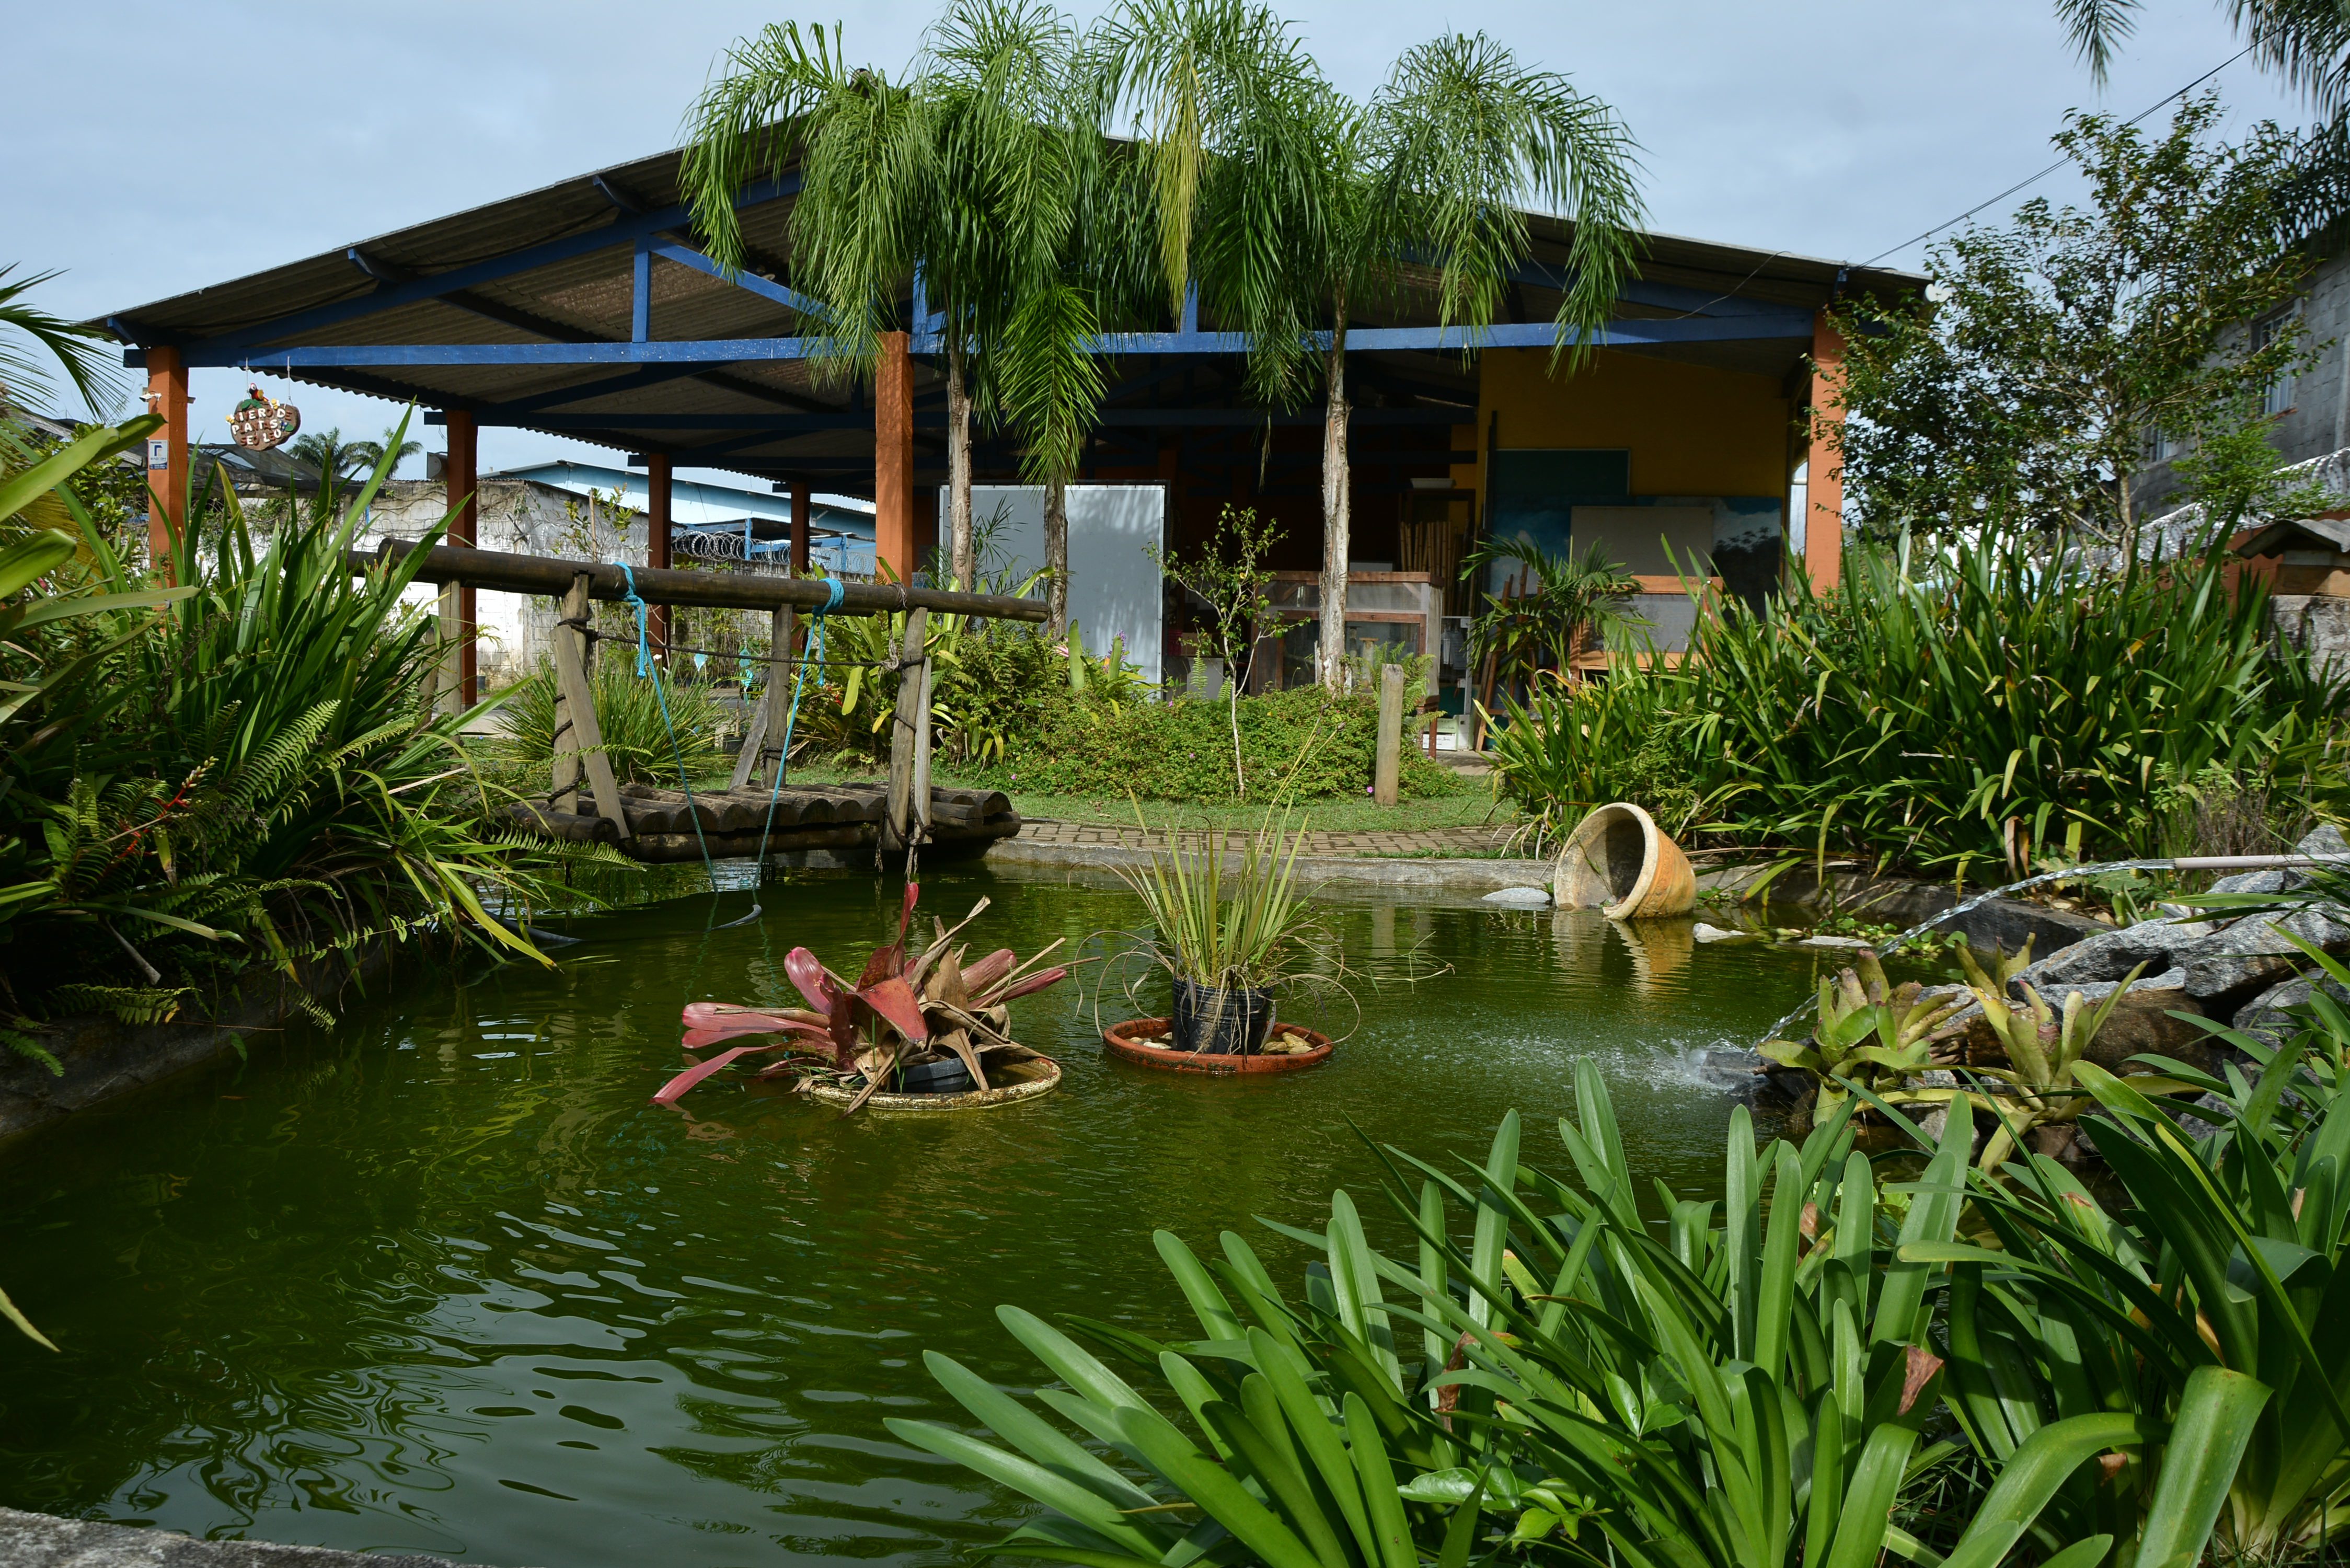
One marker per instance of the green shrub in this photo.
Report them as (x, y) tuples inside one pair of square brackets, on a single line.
[(1304, 745), (249, 778), (629, 716), (1989, 705)]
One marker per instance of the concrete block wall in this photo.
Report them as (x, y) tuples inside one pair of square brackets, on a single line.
[(2318, 421)]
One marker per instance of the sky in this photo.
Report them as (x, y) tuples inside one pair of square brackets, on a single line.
[(169, 146)]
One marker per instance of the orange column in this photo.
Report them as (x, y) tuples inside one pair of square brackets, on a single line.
[(893, 458), (167, 456), (659, 489), (463, 473), (1823, 492)]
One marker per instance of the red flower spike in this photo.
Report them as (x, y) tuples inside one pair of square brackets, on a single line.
[(988, 971), (891, 959), (807, 972), (1031, 984), (897, 1004), (669, 1094), (696, 1039)]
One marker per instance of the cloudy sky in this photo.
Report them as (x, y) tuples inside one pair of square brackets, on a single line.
[(157, 146)]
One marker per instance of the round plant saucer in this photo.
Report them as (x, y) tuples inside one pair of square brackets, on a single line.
[(1126, 1041)]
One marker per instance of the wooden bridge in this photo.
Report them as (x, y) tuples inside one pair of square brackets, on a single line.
[(588, 805)]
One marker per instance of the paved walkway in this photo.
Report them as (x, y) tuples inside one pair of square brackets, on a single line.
[(1479, 840)]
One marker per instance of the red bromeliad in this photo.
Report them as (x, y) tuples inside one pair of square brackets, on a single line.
[(902, 1009)]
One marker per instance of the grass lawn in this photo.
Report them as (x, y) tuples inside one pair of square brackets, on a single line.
[(1473, 806)]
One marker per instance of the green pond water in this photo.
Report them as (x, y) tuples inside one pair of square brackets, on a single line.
[(442, 1281)]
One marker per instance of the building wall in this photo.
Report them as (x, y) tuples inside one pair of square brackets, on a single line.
[(1697, 436), (525, 517), (2317, 420), (1692, 430)]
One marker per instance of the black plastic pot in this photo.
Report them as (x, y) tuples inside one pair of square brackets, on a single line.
[(1219, 1022), (946, 1077)]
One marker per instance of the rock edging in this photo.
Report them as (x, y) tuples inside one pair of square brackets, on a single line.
[(105, 1059), (43, 1540)]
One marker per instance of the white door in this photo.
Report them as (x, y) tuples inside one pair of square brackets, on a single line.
[(1115, 596)]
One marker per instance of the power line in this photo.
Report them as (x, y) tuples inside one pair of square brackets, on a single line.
[(2020, 185)]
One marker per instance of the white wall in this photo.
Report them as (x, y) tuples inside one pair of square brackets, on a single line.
[(1115, 591)]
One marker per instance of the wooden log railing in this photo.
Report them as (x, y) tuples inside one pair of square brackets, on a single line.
[(659, 585), (907, 810)]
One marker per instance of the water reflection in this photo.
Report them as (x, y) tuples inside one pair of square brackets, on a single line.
[(442, 1281)]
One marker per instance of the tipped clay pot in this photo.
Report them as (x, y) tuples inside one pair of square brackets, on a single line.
[(1619, 862)]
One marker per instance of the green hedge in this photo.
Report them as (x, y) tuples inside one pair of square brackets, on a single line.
[(1296, 745)]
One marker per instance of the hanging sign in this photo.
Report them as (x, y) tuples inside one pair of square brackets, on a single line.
[(261, 421)]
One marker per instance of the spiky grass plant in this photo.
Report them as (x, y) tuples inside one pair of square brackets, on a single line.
[(1226, 922)]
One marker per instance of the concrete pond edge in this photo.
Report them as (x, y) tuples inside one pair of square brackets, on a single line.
[(43, 1540)]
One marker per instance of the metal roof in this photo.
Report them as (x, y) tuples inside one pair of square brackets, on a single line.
[(562, 265)]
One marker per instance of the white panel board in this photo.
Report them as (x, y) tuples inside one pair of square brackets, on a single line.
[(1114, 590)]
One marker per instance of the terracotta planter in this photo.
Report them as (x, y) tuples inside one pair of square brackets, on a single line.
[(1125, 1041), (1619, 862)]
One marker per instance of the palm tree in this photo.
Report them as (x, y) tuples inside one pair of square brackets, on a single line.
[(333, 459), (369, 454), (970, 174), (1296, 208), (77, 350)]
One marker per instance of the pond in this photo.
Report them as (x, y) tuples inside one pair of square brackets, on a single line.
[(442, 1281)]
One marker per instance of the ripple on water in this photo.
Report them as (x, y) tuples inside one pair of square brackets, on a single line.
[(442, 1281)]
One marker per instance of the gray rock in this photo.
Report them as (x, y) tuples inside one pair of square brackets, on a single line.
[(39, 1541), (1846, 942), (2228, 969), (1706, 933), (2325, 840), (2110, 955), (2268, 1017), (2280, 880), (1529, 897)]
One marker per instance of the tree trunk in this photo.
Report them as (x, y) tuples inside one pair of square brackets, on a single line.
[(1335, 542), (962, 563), (1056, 557)]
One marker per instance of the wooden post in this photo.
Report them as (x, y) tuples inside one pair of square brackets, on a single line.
[(1388, 764), (1824, 485), (803, 525), (167, 457), (658, 513), (459, 606), (904, 732), (766, 730), (893, 458), (918, 804), (578, 703), (566, 729)]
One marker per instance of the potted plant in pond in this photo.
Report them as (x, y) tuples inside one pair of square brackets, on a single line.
[(927, 1031), (1229, 929)]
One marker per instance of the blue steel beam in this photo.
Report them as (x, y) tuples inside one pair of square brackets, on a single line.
[(726, 350), (626, 230), (791, 299), (789, 424), (641, 295)]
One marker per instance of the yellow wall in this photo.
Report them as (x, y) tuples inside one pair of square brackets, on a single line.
[(1692, 430)]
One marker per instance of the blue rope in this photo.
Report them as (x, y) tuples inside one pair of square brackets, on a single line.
[(791, 716), (645, 666)]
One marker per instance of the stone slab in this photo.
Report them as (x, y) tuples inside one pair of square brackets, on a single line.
[(1475, 876), (41, 1540)]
